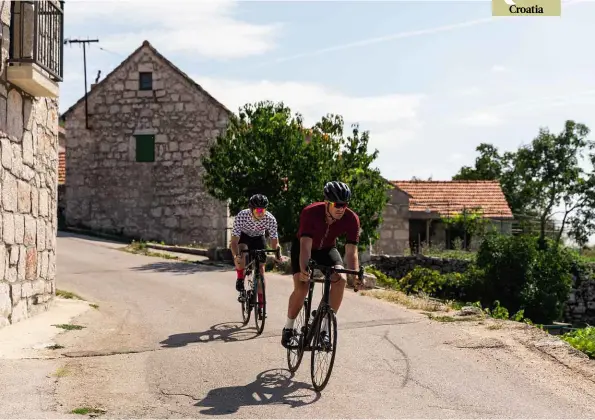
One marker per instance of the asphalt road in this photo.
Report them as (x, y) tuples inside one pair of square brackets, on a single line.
[(166, 341)]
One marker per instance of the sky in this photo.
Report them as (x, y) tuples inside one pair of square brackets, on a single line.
[(429, 80)]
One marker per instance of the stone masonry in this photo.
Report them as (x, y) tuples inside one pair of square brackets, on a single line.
[(28, 185), (394, 231), (108, 190)]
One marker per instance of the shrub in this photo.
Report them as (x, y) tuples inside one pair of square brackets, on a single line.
[(422, 280), (521, 276), (382, 279), (582, 339)]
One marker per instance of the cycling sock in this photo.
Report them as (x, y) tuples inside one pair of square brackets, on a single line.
[(240, 274), (260, 300), (289, 323)]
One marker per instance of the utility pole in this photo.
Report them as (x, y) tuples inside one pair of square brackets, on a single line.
[(84, 42)]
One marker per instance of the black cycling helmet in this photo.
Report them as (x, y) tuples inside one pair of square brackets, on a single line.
[(258, 201), (337, 192)]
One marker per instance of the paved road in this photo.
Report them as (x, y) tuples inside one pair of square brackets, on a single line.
[(178, 351)]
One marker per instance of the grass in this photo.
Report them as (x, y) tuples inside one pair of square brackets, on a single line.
[(54, 347), (88, 410), (61, 372), (94, 305), (408, 301), (68, 327), (448, 318), (141, 248), (67, 295)]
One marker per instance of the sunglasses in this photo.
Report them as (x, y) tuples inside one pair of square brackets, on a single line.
[(338, 205), (259, 211)]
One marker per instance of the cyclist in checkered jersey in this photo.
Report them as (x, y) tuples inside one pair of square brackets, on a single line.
[(248, 232)]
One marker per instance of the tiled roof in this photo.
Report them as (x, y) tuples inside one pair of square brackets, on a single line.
[(451, 197), (61, 167)]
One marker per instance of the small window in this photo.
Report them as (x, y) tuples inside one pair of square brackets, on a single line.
[(145, 148), (145, 81)]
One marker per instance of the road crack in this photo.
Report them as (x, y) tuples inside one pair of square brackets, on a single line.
[(172, 394)]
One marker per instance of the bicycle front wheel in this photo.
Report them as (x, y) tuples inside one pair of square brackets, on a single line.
[(323, 350), (260, 307), (295, 352)]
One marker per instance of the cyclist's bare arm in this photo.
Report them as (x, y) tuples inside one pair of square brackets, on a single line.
[(305, 253)]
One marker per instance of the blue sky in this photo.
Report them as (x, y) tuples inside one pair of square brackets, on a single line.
[(429, 79)]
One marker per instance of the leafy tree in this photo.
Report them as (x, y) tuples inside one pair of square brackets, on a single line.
[(264, 149), (543, 175)]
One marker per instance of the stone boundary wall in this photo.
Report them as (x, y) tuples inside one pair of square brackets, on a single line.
[(580, 307), (398, 266)]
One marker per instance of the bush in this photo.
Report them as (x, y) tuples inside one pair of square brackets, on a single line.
[(422, 280), (521, 276), (582, 339)]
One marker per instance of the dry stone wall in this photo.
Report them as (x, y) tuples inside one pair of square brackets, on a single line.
[(398, 266), (579, 309), (28, 191), (108, 190)]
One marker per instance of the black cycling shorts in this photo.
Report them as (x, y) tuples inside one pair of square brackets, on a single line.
[(253, 242), (325, 256)]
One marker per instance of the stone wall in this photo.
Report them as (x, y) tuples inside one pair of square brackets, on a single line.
[(581, 303), (394, 231), (108, 190), (398, 266), (28, 190)]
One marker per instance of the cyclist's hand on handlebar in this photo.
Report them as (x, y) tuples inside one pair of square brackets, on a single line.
[(305, 276)]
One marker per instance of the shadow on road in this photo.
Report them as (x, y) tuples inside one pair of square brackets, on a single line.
[(179, 267), (65, 234), (226, 332), (274, 386)]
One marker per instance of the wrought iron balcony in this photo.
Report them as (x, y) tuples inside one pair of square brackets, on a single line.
[(37, 36)]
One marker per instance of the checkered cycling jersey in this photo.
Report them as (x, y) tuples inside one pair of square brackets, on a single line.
[(246, 223)]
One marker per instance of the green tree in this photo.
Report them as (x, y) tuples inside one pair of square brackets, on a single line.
[(264, 150), (544, 175)]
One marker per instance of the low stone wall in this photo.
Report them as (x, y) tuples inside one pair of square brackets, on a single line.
[(399, 266), (581, 304), (580, 307)]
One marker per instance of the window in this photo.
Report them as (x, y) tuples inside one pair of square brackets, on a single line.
[(145, 81), (145, 148)]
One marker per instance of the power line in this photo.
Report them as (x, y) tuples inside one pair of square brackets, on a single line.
[(84, 42)]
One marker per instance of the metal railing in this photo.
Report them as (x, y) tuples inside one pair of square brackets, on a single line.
[(37, 35)]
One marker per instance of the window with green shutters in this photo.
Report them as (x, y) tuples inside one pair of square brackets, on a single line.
[(145, 148)]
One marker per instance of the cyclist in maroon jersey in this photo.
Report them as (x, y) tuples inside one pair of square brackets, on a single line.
[(321, 223)]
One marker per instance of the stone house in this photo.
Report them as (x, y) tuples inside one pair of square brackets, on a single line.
[(31, 70), (415, 212), (134, 167)]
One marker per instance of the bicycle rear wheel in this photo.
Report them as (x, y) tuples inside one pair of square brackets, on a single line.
[(320, 374), (260, 305)]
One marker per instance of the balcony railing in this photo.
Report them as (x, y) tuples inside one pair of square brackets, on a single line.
[(37, 35)]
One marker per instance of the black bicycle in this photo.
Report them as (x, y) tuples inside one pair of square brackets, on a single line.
[(309, 336), (249, 297)]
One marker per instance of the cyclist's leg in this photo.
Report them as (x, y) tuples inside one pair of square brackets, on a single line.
[(332, 257), (242, 245), (296, 299)]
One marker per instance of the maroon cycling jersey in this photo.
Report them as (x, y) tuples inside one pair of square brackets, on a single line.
[(313, 225)]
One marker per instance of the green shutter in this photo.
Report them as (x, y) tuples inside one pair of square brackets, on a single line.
[(145, 148)]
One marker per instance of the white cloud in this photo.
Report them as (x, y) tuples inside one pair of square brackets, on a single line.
[(499, 69), (313, 101), (203, 27), (481, 119)]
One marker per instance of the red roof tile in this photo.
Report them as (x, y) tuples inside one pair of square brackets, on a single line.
[(61, 168), (451, 197)]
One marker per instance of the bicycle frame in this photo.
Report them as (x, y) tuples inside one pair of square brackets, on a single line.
[(324, 305), (257, 257)]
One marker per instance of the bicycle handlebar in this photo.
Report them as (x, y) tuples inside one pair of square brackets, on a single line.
[(263, 251), (312, 265)]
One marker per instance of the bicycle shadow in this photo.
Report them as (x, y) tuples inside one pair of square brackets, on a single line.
[(228, 332), (273, 386)]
